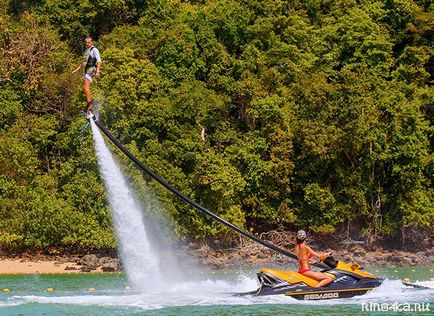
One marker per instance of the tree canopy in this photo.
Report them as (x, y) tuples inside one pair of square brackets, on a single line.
[(314, 114)]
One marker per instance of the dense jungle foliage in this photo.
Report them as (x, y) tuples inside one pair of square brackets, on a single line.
[(272, 113)]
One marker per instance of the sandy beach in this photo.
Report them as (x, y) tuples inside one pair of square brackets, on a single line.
[(20, 266)]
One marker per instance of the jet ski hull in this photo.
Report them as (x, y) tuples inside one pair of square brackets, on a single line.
[(337, 289), (349, 280)]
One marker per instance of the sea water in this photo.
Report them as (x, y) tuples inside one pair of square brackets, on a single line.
[(208, 294)]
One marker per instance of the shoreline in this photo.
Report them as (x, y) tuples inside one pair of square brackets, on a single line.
[(44, 264), (27, 267), (205, 256), (20, 266), (10, 267)]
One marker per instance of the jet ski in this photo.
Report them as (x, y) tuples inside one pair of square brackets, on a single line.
[(349, 280)]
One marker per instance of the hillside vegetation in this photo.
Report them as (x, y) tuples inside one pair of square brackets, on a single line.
[(313, 114)]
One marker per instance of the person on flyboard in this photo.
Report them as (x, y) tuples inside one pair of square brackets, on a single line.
[(91, 65)]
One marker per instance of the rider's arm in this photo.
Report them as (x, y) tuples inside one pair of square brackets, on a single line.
[(98, 65), (78, 68), (312, 253), (98, 60), (320, 256)]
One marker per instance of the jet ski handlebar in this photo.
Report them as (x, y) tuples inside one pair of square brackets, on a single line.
[(330, 261)]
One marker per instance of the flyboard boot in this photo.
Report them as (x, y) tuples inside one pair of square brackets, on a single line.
[(87, 110)]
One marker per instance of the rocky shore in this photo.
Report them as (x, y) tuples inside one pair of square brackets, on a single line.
[(247, 255), (378, 258)]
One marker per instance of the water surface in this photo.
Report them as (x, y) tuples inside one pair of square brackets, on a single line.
[(208, 293)]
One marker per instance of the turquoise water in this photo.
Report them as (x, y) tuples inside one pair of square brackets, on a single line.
[(210, 293)]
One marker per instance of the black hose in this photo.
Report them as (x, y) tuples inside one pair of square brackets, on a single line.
[(190, 201)]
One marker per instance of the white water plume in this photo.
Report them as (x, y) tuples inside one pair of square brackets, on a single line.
[(139, 262)]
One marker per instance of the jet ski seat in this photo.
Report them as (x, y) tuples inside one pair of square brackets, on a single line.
[(290, 276)]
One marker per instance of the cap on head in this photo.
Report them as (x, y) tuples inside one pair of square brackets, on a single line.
[(301, 235)]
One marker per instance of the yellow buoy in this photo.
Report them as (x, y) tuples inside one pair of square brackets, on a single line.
[(395, 270), (432, 279), (127, 288), (6, 290), (91, 289), (406, 279), (413, 270), (50, 289)]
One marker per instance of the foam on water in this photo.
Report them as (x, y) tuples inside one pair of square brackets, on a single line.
[(219, 292), (139, 261)]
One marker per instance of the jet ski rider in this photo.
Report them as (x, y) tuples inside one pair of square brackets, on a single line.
[(304, 253)]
